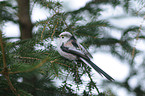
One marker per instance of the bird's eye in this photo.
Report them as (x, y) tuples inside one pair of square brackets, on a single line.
[(62, 36)]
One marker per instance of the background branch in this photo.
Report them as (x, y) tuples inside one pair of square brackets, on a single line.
[(5, 69)]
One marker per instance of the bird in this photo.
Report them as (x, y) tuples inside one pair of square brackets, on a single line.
[(71, 49)]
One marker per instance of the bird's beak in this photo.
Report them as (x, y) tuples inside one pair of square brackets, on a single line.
[(59, 36)]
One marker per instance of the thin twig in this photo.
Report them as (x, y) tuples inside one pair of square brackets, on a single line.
[(54, 31), (29, 58), (137, 37), (77, 73), (5, 69), (54, 70), (140, 9), (54, 14), (66, 80), (92, 80), (49, 27), (64, 22), (42, 32), (55, 61)]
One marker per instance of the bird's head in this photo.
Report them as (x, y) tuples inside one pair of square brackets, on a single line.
[(64, 37)]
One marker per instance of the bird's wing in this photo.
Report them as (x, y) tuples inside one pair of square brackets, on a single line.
[(73, 41), (73, 51), (86, 60), (85, 51), (78, 46)]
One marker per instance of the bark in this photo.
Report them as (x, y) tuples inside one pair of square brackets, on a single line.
[(26, 27), (25, 23)]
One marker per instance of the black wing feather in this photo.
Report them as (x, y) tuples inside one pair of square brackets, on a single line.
[(74, 42), (66, 49)]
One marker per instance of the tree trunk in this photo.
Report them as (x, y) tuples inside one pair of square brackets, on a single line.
[(26, 27), (25, 23)]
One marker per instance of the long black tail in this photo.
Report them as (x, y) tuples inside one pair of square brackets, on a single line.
[(99, 70)]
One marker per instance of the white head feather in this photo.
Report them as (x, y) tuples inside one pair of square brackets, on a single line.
[(65, 34)]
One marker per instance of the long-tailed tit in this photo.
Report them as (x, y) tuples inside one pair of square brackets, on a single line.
[(69, 48)]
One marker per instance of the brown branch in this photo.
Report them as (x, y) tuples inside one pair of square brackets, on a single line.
[(2, 48), (11, 85), (55, 61), (31, 58), (49, 27), (42, 33), (5, 69), (54, 31), (137, 37)]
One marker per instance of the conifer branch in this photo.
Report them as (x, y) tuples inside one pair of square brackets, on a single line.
[(92, 80), (5, 69), (140, 9), (49, 27), (55, 71), (62, 64), (32, 69), (56, 12), (31, 58), (54, 31), (37, 66), (65, 82), (43, 32), (137, 37), (3, 53), (65, 23), (55, 61), (77, 74)]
